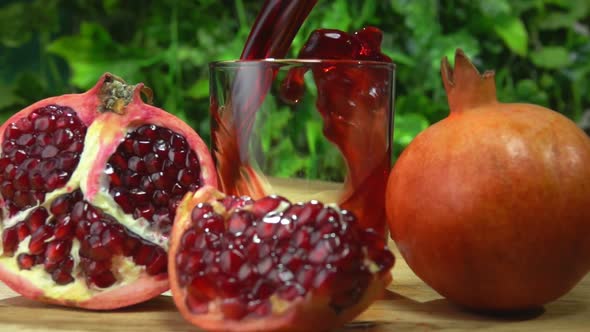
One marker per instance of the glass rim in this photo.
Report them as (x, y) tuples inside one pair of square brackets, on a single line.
[(292, 61)]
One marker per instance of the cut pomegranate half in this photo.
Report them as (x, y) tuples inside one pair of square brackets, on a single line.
[(269, 265), (89, 187)]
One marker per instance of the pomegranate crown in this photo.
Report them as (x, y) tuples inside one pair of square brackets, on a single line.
[(466, 88), (116, 94)]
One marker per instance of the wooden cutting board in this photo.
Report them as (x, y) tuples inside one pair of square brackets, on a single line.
[(409, 305)]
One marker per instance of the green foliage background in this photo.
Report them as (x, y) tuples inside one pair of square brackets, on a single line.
[(539, 48)]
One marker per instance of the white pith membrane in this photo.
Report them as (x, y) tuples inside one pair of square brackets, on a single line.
[(123, 268), (313, 300)]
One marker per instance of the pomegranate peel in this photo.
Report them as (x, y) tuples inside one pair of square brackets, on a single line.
[(89, 187), (490, 205), (288, 304)]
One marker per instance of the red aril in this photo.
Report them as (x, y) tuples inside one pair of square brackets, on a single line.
[(490, 206), (89, 187), (238, 264)]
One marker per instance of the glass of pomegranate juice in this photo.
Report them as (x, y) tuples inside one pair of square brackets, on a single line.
[(305, 130)]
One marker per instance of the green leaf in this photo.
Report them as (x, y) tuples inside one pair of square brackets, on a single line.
[(513, 32), (551, 57), (93, 52), (7, 96), (200, 89), (14, 30), (407, 126), (554, 21)]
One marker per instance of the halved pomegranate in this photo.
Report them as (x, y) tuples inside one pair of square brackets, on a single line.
[(89, 187), (269, 265)]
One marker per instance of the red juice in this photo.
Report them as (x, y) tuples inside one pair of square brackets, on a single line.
[(360, 95)]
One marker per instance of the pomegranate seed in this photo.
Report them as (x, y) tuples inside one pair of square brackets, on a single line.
[(94, 267), (9, 241), (160, 198), (136, 164), (142, 147), (146, 212), (158, 180), (22, 230), (61, 205), (309, 213), (56, 180), (95, 249), (57, 250), (103, 280), (50, 265), (21, 180), (265, 229), (260, 308), (12, 132), (178, 142), (24, 125), (62, 137), (196, 306), (188, 239), (239, 221), (233, 309), (7, 190), (153, 163), (36, 181), (118, 162), (290, 292), (64, 228), (113, 238), (231, 261), (25, 140), (265, 265), (49, 151), (200, 210), (203, 286), (132, 180), (25, 261), (38, 237), (61, 277), (44, 123), (22, 199), (76, 146), (19, 156), (262, 290), (121, 196), (194, 264), (266, 204), (213, 224), (158, 263), (130, 245), (138, 194), (144, 254), (115, 179), (127, 145)]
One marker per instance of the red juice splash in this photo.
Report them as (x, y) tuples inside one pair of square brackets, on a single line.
[(354, 103), (270, 37)]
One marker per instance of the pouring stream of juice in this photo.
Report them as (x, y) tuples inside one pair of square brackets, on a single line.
[(270, 37)]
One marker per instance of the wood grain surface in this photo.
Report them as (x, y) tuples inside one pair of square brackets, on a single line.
[(408, 305)]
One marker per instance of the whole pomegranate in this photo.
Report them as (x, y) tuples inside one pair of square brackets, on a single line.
[(491, 206), (238, 264), (89, 187)]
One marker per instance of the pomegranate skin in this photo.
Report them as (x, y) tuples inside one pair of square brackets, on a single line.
[(491, 206)]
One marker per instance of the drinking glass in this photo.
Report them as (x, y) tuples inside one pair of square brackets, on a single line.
[(305, 129)]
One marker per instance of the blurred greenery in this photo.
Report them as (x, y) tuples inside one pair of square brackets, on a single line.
[(539, 49)]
